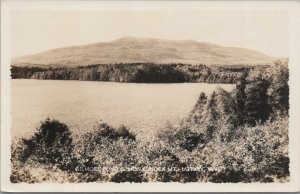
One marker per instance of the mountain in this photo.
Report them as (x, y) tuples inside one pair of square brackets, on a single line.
[(144, 50)]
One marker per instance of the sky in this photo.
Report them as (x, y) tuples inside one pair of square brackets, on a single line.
[(37, 31)]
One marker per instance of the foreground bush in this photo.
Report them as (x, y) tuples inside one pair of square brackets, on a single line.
[(51, 144), (256, 154), (52, 149)]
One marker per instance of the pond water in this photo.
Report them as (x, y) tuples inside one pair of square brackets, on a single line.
[(144, 108)]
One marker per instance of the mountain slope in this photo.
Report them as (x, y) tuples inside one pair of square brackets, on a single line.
[(144, 50)]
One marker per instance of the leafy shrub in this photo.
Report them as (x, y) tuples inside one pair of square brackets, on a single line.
[(51, 144), (106, 147), (109, 132), (49, 148)]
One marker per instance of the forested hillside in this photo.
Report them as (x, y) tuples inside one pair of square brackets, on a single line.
[(136, 72)]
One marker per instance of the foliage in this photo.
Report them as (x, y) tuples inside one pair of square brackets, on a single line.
[(51, 144), (237, 136), (256, 104), (133, 72), (278, 92)]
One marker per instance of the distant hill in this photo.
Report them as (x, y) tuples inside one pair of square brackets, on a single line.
[(144, 50)]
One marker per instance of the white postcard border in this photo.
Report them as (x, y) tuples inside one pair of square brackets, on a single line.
[(293, 7)]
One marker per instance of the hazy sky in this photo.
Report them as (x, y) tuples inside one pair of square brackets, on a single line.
[(36, 31)]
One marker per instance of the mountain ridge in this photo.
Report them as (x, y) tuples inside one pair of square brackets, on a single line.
[(144, 50)]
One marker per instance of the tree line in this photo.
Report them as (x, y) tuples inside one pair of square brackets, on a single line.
[(134, 72)]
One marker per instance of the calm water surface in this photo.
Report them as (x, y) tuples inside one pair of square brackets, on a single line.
[(144, 108)]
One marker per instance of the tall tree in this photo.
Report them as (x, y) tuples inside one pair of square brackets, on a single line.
[(212, 115), (278, 91), (241, 98), (256, 105)]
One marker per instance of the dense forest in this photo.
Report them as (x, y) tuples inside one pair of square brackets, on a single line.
[(236, 136), (135, 72)]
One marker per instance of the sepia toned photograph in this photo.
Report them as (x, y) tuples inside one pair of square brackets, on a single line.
[(149, 95)]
